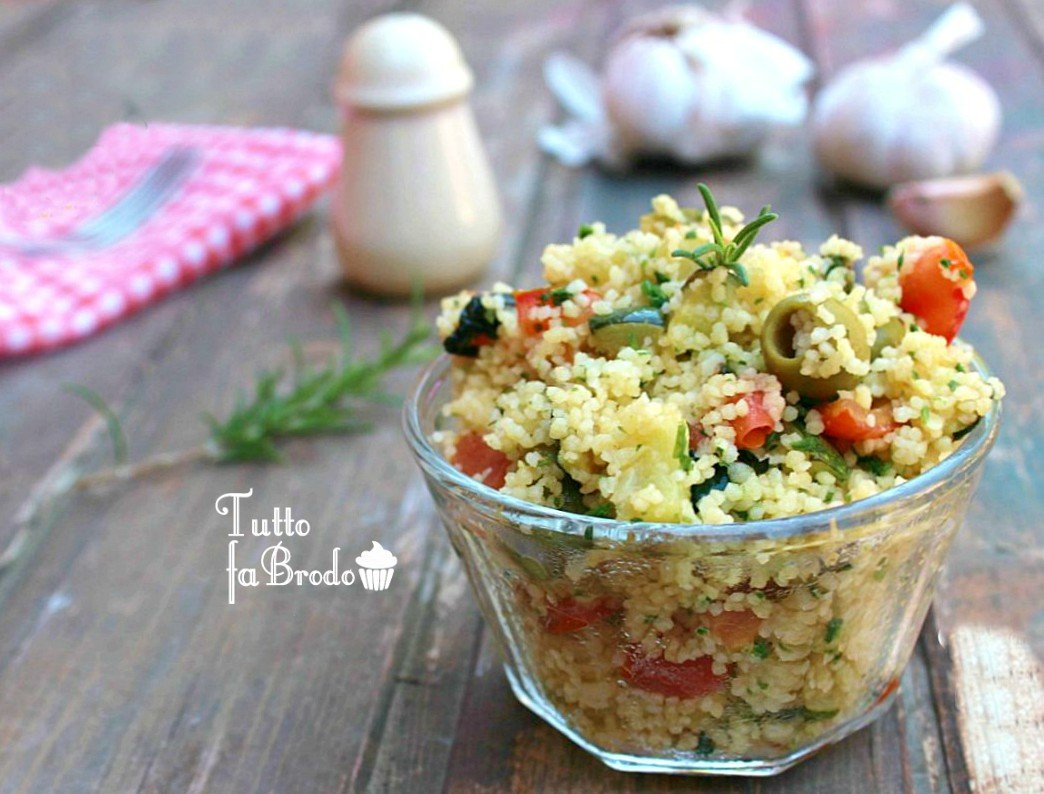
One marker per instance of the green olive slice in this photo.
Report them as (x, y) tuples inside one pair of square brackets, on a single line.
[(888, 335), (777, 346)]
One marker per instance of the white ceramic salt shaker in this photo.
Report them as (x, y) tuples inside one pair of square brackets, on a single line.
[(416, 198)]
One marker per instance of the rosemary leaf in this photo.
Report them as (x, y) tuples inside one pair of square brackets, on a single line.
[(112, 422)]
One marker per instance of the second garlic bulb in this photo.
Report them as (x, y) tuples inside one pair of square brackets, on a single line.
[(909, 116)]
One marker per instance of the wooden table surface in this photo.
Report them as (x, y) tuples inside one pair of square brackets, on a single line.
[(122, 667)]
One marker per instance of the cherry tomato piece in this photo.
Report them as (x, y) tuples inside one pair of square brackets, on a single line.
[(476, 458), (937, 285), (734, 630), (847, 420), (689, 679), (569, 615), (753, 428), (532, 322)]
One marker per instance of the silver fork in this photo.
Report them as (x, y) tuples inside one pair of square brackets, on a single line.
[(134, 208)]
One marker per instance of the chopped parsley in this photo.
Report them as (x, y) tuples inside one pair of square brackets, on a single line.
[(605, 510), (585, 230), (655, 294), (820, 450), (874, 465), (833, 628), (953, 385), (762, 648), (925, 414), (705, 745), (702, 630), (558, 296), (960, 368)]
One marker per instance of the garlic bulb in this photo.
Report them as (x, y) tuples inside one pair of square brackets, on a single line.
[(911, 115), (973, 210), (680, 82)]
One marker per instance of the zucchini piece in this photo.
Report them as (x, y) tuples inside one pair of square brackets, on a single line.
[(610, 333)]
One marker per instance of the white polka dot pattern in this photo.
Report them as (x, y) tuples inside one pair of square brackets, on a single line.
[(250, 184)]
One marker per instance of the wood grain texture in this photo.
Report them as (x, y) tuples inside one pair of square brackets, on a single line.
[(121, 666)]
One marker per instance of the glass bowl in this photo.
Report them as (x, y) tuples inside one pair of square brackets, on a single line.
[(701, 649)]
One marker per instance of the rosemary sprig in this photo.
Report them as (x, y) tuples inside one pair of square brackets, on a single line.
[(309, 400), (323, 400), (725, 254)]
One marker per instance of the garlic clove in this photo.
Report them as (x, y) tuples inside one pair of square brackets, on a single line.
[(971, 210)]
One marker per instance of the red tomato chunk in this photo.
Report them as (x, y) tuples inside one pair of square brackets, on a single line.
[(755, 427), (532, 321), (478, 459), (569, 615), (936, 283), (847, 420), (690, 679)]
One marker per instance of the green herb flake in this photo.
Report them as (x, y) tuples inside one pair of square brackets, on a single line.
[(960, 368), (585, 230), (705, 745), (703, 631), (953, 385), (874, 465), (762, 648), (560, 295), (681, 447), (819, 449), (833, 629), (654, 293), (925, 414)]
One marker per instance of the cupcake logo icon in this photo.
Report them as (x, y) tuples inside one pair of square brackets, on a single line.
[(376, 567)]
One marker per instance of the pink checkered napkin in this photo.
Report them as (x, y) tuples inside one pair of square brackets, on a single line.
[(247, 185)]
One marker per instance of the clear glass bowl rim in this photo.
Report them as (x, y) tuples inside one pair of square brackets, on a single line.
[(969, 454)]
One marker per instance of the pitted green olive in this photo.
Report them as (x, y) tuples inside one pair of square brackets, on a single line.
[(777, 346), (888, 335)]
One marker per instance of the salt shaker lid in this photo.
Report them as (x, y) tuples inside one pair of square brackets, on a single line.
[(401, 60)]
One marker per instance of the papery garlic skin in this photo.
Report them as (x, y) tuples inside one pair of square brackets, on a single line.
[(682, 83), (911, 115), (876, 126), (971, 210)]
